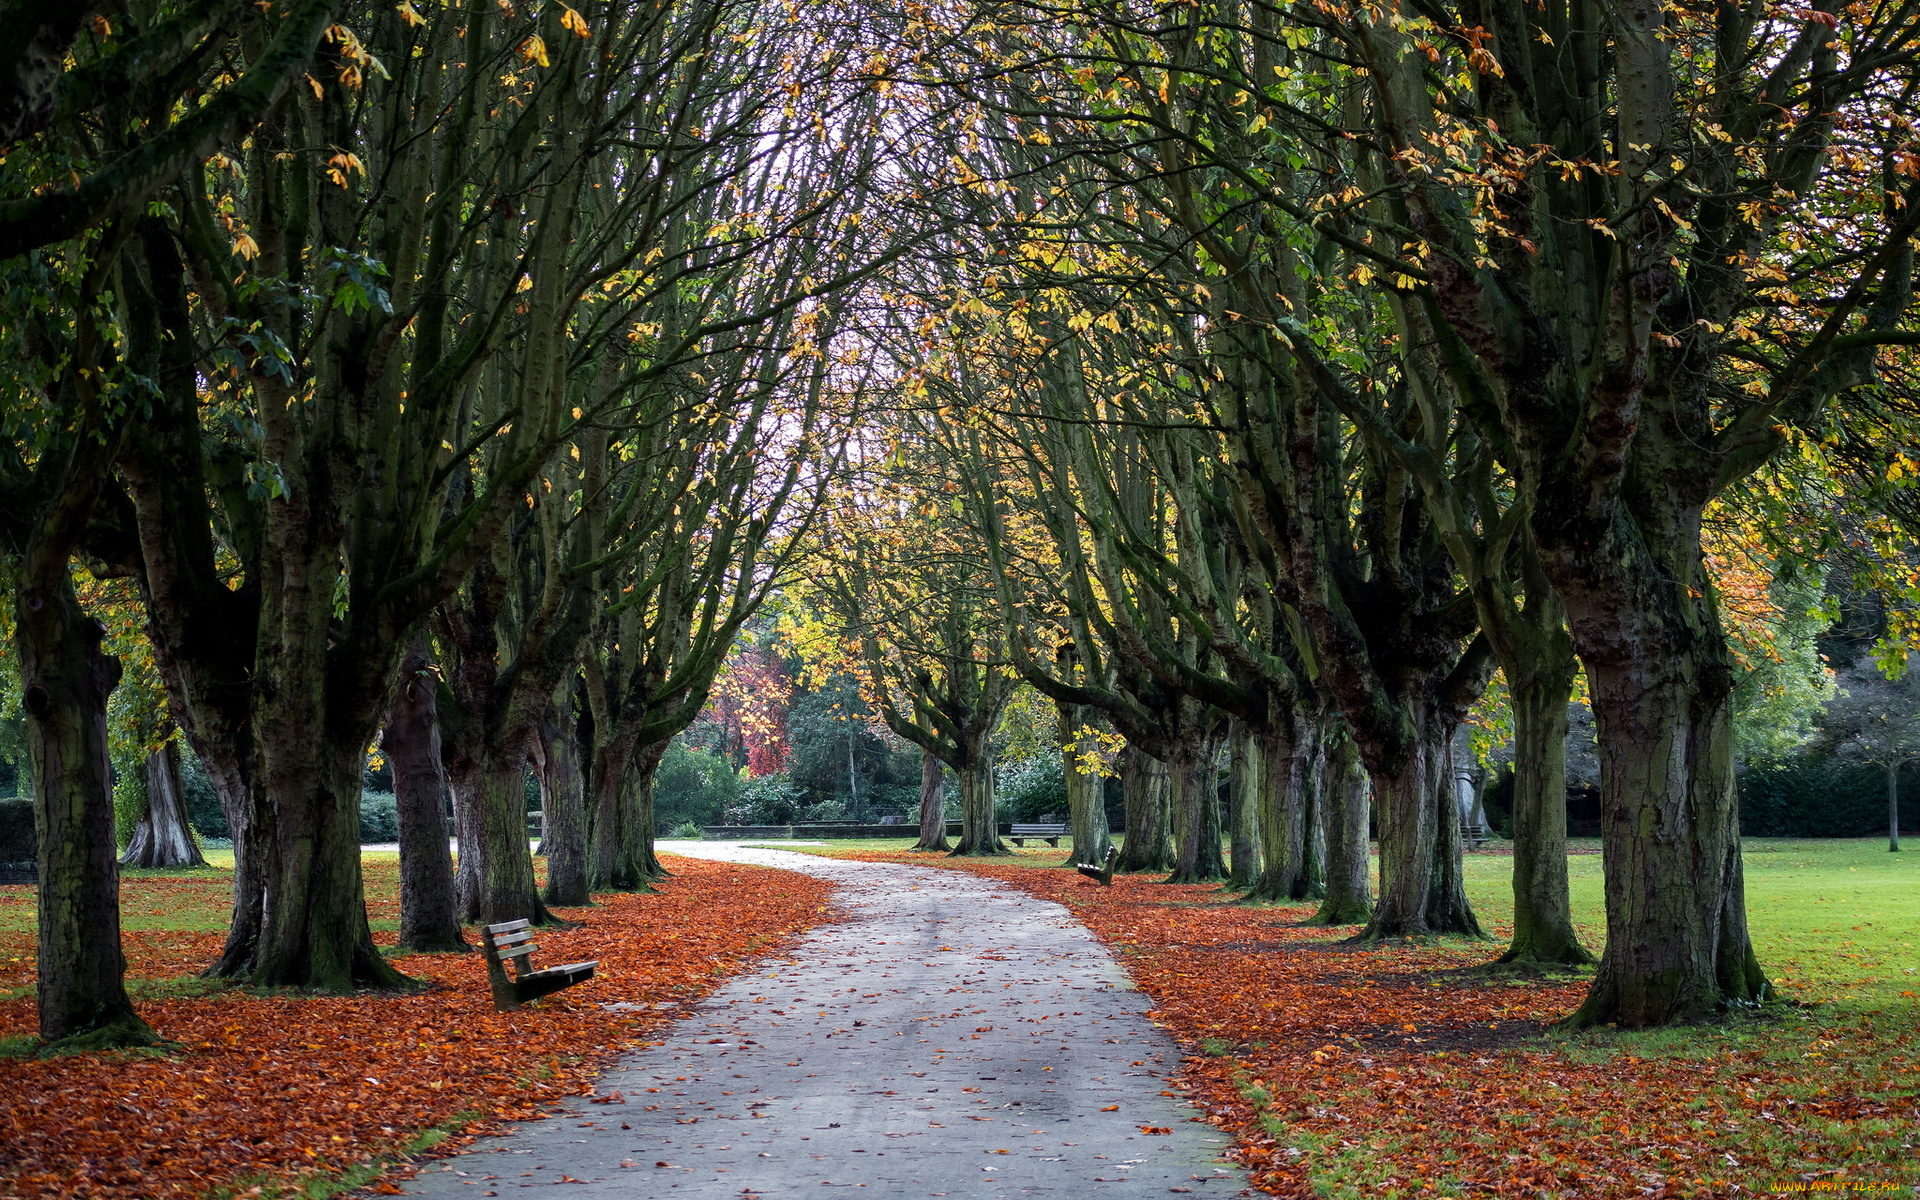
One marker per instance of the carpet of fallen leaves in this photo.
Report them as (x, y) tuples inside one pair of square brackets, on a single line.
[(264, 1090), (1400, 1070)]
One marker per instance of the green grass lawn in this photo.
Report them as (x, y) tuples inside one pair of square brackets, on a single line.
[(1832, 919)]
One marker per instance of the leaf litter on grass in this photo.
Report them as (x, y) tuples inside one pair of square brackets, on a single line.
[(264, 1091), (1400, 1070)]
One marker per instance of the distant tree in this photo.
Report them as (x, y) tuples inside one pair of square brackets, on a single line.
[(1876, 720)]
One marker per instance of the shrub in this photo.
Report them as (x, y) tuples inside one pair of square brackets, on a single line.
[(379, 818), (687, 830), (768, 800), (692, 787), (129, 798), (1027, 790), (204, 813)]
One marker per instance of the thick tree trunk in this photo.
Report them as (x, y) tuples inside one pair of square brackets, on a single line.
[(1543, 931), (979, 830), (636, 857), (1197, 856), (1086, 799), (933, 805), (563, 807), (163, 837), (313, 927), (1344, 788), (495, 879), (1677, 944), (249, 819), (1148, 845), (606, 818), (1421, 878), (429, 917), (65, 681), (1291, 861), (1248, 786)]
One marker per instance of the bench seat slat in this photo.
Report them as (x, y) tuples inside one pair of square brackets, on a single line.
[(569, 969)]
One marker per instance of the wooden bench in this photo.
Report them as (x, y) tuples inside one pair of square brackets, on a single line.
[(1048, 833), (1102, 875), (513, 940)]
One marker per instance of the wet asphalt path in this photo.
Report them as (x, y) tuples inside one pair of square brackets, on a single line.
[(951, 1036)]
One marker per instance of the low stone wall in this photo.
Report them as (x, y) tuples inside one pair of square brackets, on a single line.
[(756, 833)]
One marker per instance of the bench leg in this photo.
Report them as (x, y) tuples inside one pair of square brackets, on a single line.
[(1020, 842), (1054, 842), (505, 994)]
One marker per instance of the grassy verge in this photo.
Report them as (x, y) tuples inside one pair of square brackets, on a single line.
[(1399, 1071)]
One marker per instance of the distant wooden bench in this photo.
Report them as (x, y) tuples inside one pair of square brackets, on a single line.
[(513, 940), (19, 872), (1048, 833)]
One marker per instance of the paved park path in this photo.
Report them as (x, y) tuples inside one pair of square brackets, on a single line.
[(952, 1036)]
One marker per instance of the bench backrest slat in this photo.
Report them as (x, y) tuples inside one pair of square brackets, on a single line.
[(517, 951), (509, 926), (511, 939)]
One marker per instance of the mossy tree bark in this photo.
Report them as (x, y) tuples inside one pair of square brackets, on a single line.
[(1344, 789), (163, 837), (606, 817), (65, 681), (1543, 932), (933, 804), (1248, 789), (1145, 792), (564, 803), (1193, 773), (1421, 885), (1291, 870), (979, 828), (429, 917), (638, 823)]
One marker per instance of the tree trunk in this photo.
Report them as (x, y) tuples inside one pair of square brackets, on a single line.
[(495, 879), (65, 680), (1086, 799), (1248, 786), (1677, 944), (1312, 805), (1343, 788), (563, 808), (979, 829), (637, 860), (163, 837), (1197, 854), (1421, 889), (429, 917), (933, 807), (1893, 807), (1286, 779), (1148, 845), (606, 818), (1543, 931)]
